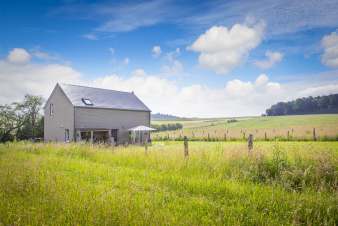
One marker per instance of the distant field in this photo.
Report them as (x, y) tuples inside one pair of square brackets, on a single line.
[(298, 127), (280, 183)]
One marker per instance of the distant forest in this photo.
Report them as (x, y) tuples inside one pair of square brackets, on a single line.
[(306, 105), (159, 116)]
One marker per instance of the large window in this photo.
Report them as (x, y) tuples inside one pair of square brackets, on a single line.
[(114, 133), (51, 109)]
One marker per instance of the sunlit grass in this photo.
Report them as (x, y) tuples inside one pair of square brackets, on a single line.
[(220, 183), (295, 127)]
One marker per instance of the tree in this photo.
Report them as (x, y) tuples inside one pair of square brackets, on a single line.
[(16, 116), (33, 105), (306, 105), (12, 117)]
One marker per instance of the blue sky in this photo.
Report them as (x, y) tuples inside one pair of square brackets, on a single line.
[(213, 58)]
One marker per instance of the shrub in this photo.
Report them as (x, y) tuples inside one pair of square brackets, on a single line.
[(232, 120)]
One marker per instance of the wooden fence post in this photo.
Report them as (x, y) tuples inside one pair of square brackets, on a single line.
[(146, 147), (186, 150), (288, 136), (265, 137), (250, 142), (314, 134), (225, 137), (91, 137)]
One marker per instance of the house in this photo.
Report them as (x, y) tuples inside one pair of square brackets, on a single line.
[(79, 113)]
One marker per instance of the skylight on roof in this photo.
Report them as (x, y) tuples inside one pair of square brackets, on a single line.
[(87, 101)]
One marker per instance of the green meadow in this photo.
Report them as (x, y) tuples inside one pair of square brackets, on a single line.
[(220, 183), (294, 127)]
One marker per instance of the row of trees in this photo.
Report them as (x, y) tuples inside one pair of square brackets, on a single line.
[(167, 127), (306, 105), (21, 120)]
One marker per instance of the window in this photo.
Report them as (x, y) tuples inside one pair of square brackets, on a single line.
[(51, 109), (66, 135), (114, 133), (87, 101)]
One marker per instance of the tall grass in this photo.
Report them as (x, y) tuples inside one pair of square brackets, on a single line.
[(282, 128), (219, 184)]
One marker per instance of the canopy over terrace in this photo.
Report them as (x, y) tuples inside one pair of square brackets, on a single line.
[(140, 134)]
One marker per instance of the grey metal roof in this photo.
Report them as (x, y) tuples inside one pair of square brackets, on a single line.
[(103, 98)]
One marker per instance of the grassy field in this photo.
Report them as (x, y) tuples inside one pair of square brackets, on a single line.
[(279, 183), (298, 127)]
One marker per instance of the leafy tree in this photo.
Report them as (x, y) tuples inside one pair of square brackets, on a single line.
[(20, 118), (33, 105), (167, 127), (306, 105)]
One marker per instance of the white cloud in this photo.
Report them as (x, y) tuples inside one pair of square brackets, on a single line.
[(320, 90), (128, 17), (19, 55), (273, 88), (156, 51), (139, 72), (261, 80), (221, 49), (272, 59), (330, 46), (42, 55), (37, 79), (238, 88), (173, 66), (90, 36), (235, 98)]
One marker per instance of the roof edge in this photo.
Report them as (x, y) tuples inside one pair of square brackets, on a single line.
[(108, 108), (91, 87)]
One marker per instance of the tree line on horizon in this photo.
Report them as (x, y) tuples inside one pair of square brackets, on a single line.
[(167, 127), (306, 105)]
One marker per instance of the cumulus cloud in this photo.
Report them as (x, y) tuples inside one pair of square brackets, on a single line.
[(19, 55), (272, 58), (261, 80), (330, 46), (235, 98), (156, 51), (37, 79), (221, 48)]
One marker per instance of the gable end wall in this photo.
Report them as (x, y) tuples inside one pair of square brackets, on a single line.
[(63, 117)]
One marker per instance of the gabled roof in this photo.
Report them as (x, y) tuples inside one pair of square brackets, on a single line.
[(102, 98)]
